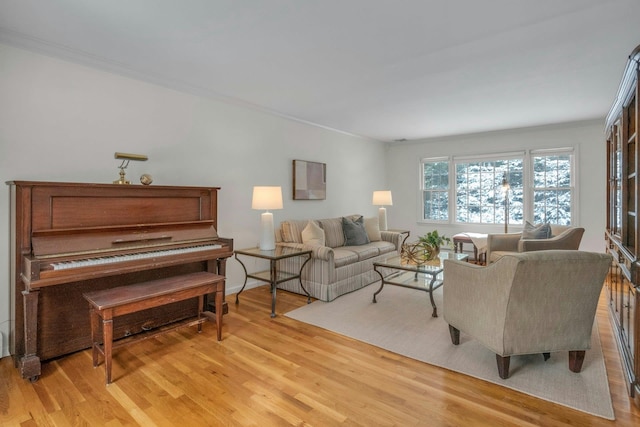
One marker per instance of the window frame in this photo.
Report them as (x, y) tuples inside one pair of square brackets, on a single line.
[(572, 153), (423, 161), (495, 157), (527, 179)]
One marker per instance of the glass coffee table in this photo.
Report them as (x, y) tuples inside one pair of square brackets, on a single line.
[(425, 277)]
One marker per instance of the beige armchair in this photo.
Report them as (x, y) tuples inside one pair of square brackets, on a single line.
[(562, 237), (526, 303)]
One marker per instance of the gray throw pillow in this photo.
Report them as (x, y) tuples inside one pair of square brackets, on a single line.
[(354, 232), (542, 231)]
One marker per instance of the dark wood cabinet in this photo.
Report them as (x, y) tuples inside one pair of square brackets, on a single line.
[(623, 240)]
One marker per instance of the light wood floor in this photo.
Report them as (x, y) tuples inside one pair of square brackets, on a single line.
[(278, 372)]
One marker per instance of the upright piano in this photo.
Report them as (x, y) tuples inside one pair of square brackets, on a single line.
[(70, 238)]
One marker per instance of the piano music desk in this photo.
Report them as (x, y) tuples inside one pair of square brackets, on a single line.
[(111, 303)]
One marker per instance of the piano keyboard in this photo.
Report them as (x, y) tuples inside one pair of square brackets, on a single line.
[(130, 257)]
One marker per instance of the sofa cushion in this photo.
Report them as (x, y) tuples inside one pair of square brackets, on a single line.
[(383, 247), (364, 251), (541, 231), (342, 257), (333, 234), (372, 225), (354, 232), (312, 234)]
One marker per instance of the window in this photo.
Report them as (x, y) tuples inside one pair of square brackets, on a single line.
[(469, 190), (435, 191), (480, 198), (552, 187)]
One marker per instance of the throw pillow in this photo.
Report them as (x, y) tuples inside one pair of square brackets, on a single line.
[(291, 229), (372, 225), (542, 231), (312, 234), (333, 233), (354, 232)]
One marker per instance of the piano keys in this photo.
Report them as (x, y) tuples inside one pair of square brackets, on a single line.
[(90, 262), (71, 238)]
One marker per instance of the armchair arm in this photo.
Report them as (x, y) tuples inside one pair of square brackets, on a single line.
[(475, 298), (502, 243), (569, 239)]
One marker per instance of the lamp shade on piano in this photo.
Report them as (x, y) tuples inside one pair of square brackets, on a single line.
[(267, 198), (382, 198)]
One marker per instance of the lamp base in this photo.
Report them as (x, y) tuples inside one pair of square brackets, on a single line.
[(268, 236), (382, 219)]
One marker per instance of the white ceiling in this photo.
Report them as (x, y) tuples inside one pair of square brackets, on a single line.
[(383, 69)]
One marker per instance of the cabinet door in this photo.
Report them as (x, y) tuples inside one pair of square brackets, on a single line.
[(630, 157), (632, 331), (614, 143)]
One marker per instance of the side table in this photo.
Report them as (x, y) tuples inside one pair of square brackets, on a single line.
[(273, 276)]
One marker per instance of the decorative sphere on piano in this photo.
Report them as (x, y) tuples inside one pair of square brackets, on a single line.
[(146, 179)]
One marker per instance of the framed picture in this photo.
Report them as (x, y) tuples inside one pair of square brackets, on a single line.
[(309, 180)]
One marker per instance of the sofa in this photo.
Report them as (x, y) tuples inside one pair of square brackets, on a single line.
[(343, 252), (560, 237)]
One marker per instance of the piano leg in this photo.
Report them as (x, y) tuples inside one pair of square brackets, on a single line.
[(29, 364)]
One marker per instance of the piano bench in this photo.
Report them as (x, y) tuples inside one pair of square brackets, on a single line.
[(111, 303)]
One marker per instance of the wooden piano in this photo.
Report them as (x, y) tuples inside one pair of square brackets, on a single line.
[(71, 238)]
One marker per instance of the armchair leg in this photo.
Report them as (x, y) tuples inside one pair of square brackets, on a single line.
[(546, 356), (503, 366), (575, 360), (455, 335)]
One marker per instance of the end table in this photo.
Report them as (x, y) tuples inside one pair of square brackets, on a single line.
[(273, 276)]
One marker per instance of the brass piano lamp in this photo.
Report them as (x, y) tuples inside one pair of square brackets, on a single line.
[(126, 158)]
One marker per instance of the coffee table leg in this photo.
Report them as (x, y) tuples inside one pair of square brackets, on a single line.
[(433, 303), (381, 284)]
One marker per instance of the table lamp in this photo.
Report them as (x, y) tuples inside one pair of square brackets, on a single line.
[(267, 198), (382, 199)]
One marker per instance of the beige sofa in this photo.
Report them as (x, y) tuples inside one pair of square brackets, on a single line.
[(334, 269)]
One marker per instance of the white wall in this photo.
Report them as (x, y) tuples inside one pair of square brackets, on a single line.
[(61, 121), (588, 137)]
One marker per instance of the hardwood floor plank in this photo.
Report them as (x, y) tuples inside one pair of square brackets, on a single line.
[(278, 372)]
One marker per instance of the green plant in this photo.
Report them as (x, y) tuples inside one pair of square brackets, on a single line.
[(434, 239)]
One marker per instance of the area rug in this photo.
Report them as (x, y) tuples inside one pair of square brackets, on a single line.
[(401, 322)]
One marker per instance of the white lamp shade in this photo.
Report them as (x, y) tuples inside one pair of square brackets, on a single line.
[(267, 198), (382, 198)]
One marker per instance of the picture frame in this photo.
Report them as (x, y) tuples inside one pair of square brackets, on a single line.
[(309, 180)]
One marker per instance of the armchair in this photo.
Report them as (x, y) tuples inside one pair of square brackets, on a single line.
[(526, 303), (563, 237)]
